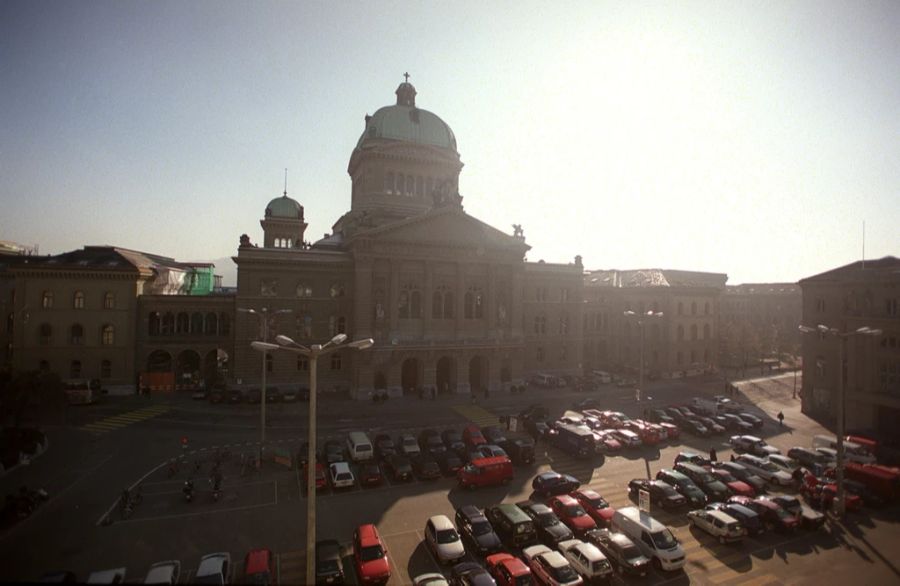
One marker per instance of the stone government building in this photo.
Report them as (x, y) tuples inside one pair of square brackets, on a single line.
[(450, 301)]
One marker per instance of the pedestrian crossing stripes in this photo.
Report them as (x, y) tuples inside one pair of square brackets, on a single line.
[(121, 420), (477, 414)]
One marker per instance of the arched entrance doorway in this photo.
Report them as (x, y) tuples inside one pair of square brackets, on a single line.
[(215, 368), (478, 374), (187, 368), (409, 375), (159, 361), (445, 377)]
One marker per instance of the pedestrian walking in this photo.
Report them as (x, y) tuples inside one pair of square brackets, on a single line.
[(780, 418), (732, 457), (712, 455)]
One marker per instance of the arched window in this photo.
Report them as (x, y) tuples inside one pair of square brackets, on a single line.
[(224, 324), (694, 332), (182, 323), (109, 300), (211, 324), (449, 307), (415, 304), (105, 369), (75, 369), (304, 290), (705, 331), (45, 334), (409, 304), (47, 300), (680, 332), (168, 324), (108, 335), (304, 326), (302, 363), (336, 361), (196, 323), (78, 300), (76, 336), (154, 323)]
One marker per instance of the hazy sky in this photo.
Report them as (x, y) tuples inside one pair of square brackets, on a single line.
[(751, 138)]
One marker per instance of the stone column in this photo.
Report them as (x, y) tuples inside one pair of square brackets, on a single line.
[(363, 314)]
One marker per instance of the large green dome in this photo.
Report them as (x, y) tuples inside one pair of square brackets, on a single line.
[(284, 207), (405, 122)]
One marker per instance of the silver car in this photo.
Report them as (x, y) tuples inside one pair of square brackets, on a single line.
[(215, 568), (442, 538), (765, 469), (164, 573)]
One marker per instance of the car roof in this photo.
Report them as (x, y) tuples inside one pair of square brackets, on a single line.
[(721, 515), (470, 512), (565, 499), (368, 535), (441, 522), (341, 467), (620, 539), (328, 549), (554, 559)]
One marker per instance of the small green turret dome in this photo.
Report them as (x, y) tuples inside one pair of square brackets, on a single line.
[(284, 207), (405, 122)]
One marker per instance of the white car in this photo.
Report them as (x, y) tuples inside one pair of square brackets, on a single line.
[(164, 573), (341, 476), (444, 541), (753, 445), (765, 469), (114, 576), (430, 579), (784, 463), (720, 525), (215, 568), (550, 567), (587, 559), (628, 438)]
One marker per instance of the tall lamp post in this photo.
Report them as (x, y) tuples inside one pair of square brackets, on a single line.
[(265, 317), (641, 320), (312, 352), (842, 342)]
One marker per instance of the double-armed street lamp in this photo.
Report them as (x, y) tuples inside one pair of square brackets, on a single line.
[(642, 317), (312, 353), (824, 330)]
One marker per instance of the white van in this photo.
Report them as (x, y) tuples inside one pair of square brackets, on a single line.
[(360, 446), (653, 538), (852, 451)]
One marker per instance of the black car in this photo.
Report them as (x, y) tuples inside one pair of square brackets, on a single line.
[(550, 530), (448, 462), (711, 424), (476, 530), (384, 446), (398, 467), (660, 493), (519, 450), (453, 441), (746, 516), (430, 442), (735, 423), (620, 550), (553, 484), (706, 480), (303, 454), (471, 574), (334, 452), (660, 416), (753, 420), (329, 566), (493, 434), (425, 467), (694, 427)]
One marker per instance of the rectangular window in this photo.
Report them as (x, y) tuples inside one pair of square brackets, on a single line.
[(302, 363), (109, 301), (820, 305), (539, 354), (890, 307), (335, 361)]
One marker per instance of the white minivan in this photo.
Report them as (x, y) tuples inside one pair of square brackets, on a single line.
[(653, 538), (360, 446)]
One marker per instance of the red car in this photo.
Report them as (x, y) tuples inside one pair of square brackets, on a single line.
[(572, 514), (823, 494), (672, 431), (735, 486), (610, 443), (771, 514), (258, 567), (648, 435), (508, 570), (370, 474), (370, 555), (595, 506), (321, 477), (473, 437)]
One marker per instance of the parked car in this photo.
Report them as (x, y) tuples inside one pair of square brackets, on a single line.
[(453, 441), (370, 474), (254, 396), (784, 463), (572, 514), (290, 395), (449, 462), (512, 524), (684, 485), (810, 458), (407, 445), (215, 568), (735, 423), (712, 425), (753, 420), (508, 570), (694, 427), (734, 485), (621, 551), (321, 475), (587, 560), (692, 458), (550, 530), (473, 437), (485, 472), (536, 428), (550, 567), (660, 493), (430, 579), (595, 505), (487, 451), (341, 476), (772, 516), (112, 576), (749, 520), (384, 446), (370, 555), (519, 450), (493, 434), (329, 565), (553, 483), (273, 395), (752, 445), (717, 523), (259, 567), (398, 468), (765, 470), (166, 572), (628, 438), (706, 480), (607, 441), (334, 452), (443, 540), (743, 474), (476, 530), (430, 442), (425, 467), (471, 574)]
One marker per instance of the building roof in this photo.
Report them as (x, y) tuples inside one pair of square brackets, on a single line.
[(284, 207), (763, 289), (615, 278), (108, 258), (885, 268), (405, 122)]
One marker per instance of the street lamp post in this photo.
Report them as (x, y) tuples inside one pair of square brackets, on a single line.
[(647, 315), (842, 341), (265, 316), (312, 353)]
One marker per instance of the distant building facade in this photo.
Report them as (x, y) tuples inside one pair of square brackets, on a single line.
[(861, 294), (759, 320), (682, 342)]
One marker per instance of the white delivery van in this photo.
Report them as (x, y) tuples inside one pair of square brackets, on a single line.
[(653, 538), (852, 451), (360, 446)]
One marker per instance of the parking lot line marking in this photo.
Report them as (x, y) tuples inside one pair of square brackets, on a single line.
[(195, 514), (759, 580)]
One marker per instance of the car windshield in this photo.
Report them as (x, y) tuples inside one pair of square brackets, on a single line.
[(664, 539), (371, 553), (783, 513), (600, 566), (408, 441), (575, 511), (481, 528), (706, 477), (524, 528), (547, 519), (447, 536), (563, 574), (632, 553), (768, 466), (598, 503)]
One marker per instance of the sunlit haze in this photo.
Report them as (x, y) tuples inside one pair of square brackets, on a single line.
[(749, 138)]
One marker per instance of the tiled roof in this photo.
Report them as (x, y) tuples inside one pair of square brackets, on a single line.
[(653, 278)]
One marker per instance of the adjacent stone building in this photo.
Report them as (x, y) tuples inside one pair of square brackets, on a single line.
[(861, 294), (759, 321)]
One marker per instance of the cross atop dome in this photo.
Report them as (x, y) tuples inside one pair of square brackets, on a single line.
[(406, 93), (406, 77)]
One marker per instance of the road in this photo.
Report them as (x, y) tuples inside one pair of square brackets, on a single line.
[(108, 447)]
